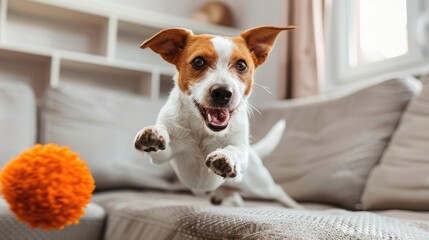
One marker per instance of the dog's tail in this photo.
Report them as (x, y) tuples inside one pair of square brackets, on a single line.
[(266, 145)]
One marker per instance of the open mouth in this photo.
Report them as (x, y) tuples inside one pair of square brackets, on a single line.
[(215, 118)]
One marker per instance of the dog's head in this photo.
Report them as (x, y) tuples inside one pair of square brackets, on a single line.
[(215, 72)]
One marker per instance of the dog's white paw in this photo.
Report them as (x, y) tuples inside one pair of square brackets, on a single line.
[(151, 139), (222, 164)]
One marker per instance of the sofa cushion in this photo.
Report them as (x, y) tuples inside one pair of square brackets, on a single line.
[(331, 143), (90, 226), (17, 119), (100, 125), (153, 215), (401, 180)]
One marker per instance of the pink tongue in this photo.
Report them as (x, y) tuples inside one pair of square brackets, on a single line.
[(218, 116)]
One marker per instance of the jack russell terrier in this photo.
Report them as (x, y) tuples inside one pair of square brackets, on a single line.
[(203, 129)]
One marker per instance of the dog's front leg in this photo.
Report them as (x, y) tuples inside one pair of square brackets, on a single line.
[(155, 140), (229, 162)]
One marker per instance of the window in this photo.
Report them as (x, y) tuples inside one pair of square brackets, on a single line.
[(373, 37)]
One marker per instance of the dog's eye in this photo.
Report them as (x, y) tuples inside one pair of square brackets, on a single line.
[(198, 63), (241, 66)]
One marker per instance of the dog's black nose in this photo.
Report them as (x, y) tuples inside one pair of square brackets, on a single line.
[(221, 95)]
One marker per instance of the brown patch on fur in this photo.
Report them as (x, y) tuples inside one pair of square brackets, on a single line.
[(260, 40), (241, 52), (179, 47), (196, 46), (168, 43)]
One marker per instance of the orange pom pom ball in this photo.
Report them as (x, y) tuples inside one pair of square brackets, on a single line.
[(47, 186)]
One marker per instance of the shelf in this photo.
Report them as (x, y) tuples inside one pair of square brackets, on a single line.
[(3, 10), (129, 38), (46, 26), (31, 69), (105, 77), (48, 43)]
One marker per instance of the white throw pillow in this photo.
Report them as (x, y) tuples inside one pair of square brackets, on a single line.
[(331, 145), (401, 180), (100, 125)]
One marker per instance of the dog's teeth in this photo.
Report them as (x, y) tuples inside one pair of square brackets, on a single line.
[(209, 117)]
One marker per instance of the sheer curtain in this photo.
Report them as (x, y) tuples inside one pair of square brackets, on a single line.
[(304, 57)]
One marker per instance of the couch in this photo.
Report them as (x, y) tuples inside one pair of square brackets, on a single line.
[(356, 158)]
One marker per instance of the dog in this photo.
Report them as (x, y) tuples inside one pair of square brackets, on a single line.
[(203, 128)]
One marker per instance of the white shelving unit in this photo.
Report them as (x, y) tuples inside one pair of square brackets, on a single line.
[(47, 43)]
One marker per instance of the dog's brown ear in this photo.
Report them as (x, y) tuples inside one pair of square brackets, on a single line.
[(168, 43), (260, 40)]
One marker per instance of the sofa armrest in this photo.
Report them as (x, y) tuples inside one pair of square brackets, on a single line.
[(260, 124), (90, 226)]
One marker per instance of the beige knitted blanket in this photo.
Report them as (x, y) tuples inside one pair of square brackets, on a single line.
[(255, 223), (140, 220)]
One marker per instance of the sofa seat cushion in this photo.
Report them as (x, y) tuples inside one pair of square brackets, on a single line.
[(90, 226), (152, 215)]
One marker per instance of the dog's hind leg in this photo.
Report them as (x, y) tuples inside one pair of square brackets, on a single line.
[(259, 182), (279, 194), (221, 195), (271, 190)]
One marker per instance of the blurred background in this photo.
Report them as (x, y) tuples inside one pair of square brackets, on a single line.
[(47, 43), (336, 43)]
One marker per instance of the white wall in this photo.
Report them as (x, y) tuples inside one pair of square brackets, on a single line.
[(247, 14)]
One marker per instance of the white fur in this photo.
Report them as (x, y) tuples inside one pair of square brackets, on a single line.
[(220, 75), (189, 143)]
